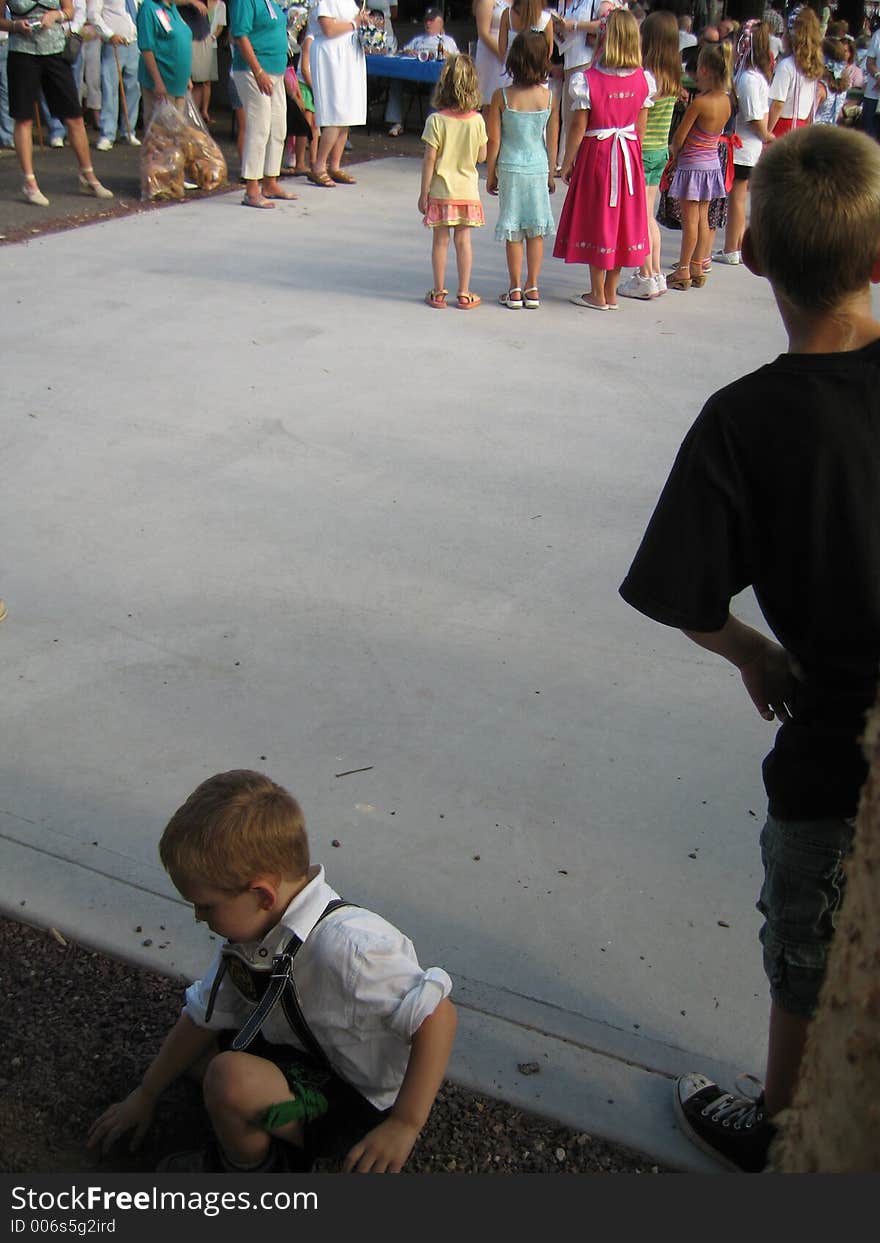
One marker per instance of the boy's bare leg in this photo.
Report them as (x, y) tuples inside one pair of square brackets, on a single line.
[(788, 1034), (238, 1089)]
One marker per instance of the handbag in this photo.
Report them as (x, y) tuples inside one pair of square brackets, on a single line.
[(72, 47)]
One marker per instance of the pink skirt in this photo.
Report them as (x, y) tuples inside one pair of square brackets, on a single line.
[(445, 213)]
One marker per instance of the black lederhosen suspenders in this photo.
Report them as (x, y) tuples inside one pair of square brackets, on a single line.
[(281, 987)]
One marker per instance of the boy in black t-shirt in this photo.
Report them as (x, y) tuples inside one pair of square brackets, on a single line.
[(776, 486)]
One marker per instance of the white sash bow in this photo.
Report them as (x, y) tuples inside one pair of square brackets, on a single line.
[(620, 140)]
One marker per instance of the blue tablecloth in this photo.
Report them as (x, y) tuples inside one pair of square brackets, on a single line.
[(409, 68)]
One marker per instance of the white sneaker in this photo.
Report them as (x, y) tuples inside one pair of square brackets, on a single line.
[(56, 142), (660, 283), (638, 286), (730, 257), (395, 131), (104, 144), (132, 140)]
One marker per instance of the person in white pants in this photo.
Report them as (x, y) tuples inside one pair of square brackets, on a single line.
[(116, 20)]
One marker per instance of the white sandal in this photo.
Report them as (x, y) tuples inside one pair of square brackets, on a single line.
[(534, 302), (33, 193), (513, 299), (93, 187)]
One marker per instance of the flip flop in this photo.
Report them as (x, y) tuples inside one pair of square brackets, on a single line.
[(282, 194), (262, 203), (321, 179)]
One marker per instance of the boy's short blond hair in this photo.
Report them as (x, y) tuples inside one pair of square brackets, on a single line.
[(815, 221), (235, 827)]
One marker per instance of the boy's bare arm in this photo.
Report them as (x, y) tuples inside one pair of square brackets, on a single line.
[(384, 1150), (766, 669), (183, 1046)]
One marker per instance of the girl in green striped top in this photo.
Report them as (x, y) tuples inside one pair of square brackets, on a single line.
[(661, 61)]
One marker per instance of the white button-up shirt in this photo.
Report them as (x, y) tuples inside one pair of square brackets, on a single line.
[(360, 987), (111, 17)]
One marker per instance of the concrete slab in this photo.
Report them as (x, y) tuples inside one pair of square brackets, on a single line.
[(263, 508)]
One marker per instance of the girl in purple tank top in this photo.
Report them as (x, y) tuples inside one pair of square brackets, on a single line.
[(697, 179)]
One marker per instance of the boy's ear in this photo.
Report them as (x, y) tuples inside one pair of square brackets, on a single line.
[(748, 254), (265, 889)]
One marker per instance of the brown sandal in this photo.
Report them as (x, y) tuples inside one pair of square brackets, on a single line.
[(321, 179), (467, 301), (698, 275), (437, 298), (341, 178), (679, 279)]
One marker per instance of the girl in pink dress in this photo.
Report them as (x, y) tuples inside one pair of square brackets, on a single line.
[(604, 221)]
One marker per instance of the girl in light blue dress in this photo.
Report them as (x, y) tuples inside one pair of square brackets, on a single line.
[(523, 127)]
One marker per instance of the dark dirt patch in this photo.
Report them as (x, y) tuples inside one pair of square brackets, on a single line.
[(78, 1030)]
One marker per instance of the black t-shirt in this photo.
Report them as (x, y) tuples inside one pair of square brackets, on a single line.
[(777, 486)]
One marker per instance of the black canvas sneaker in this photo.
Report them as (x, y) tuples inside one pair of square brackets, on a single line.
[(734, 1130)]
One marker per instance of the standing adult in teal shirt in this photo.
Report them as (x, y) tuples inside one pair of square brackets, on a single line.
[(165, 43), (259, 59)]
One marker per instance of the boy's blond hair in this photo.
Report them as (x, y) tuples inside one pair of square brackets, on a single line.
[(621, 48), (235, 827), (815, 219)]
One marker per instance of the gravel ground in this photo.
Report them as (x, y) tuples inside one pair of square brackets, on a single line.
[(100, 1021)]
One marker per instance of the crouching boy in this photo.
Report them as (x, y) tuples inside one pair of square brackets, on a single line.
[(776, 487), (314, 1023)]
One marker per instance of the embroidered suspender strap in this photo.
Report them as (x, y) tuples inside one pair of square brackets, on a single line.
[(282, 976)]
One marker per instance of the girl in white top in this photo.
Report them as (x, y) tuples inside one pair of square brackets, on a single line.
[(490, 65), (794, 83), (751, 81), (523, 15), (576, 26)]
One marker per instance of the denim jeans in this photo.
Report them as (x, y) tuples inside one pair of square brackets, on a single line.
[(112, 116), (800, 901), (5, 118)]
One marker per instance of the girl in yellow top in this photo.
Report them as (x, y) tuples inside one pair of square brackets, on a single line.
[(455, 142)]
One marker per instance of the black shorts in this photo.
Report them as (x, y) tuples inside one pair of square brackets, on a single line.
[(336, 1115), (28, 75), (742, 172)]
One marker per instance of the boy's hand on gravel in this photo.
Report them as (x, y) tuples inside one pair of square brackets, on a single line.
[(135, 1112), (383, 1150)]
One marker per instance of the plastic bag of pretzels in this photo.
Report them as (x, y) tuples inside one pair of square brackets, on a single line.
[(177, 148)]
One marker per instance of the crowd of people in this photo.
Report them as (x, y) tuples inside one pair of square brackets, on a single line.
[(295, 96), (628, 128)]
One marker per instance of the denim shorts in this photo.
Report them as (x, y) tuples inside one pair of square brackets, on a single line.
[(800, 900)]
